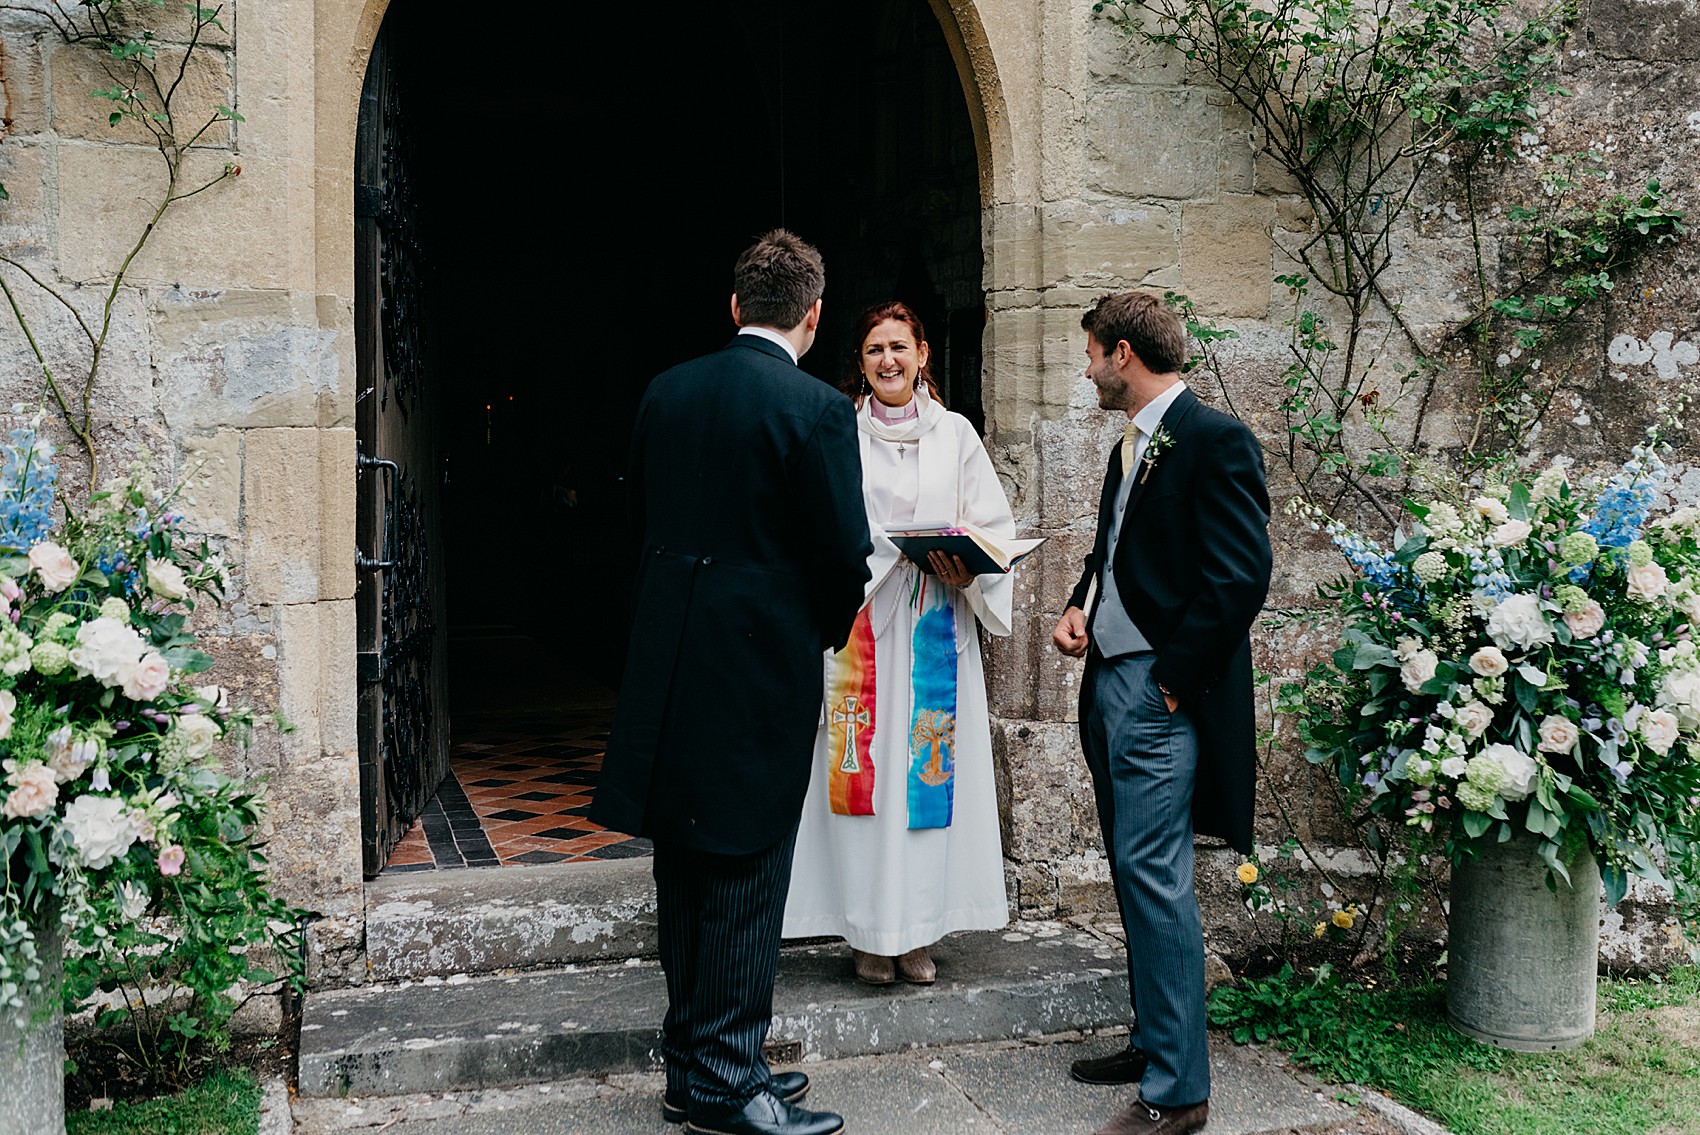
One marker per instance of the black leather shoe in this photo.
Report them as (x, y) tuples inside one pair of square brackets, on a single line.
[(788, 1086), (1124, 1067), (767, 1114)]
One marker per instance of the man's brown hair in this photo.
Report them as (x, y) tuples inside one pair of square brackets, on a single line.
[(777, 279), (1148, 325)]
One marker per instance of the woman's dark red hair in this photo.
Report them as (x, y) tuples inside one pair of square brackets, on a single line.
[(854, 383)]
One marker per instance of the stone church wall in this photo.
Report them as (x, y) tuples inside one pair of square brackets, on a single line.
[(1103, 167)]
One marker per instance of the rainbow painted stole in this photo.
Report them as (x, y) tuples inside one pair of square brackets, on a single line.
[(932, 729), (850, 722), (852, 717)]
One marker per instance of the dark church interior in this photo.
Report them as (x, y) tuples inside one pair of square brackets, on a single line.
[(581, 203)]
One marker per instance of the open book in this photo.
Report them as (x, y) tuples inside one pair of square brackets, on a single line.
[(982, 552)]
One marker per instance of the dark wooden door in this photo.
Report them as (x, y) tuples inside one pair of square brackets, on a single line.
[(402, 638)]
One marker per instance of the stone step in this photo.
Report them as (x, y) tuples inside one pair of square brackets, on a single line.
[(486, 919), (466, 1033)]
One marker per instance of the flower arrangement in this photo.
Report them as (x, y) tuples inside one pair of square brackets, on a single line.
[(1524, 661), (115, 817)]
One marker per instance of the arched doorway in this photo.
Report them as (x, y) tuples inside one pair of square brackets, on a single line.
[(579, 205)]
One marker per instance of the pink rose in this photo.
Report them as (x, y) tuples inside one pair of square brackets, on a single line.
[(148, 678), (54, 565), (171, 860), (34, 790), (1587, 622), (1474, 718), (1489, 662)]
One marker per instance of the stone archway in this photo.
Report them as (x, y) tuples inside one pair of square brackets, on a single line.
[(940, 261)]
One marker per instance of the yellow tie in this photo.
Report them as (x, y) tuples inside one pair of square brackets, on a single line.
[(1130, 442)]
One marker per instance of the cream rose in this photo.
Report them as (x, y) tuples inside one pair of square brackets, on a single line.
[(1647, 582), (1587, 622), (1417, 669), (165, 579), (199, 732), (1491, 509), (1511, 532), (1489, 662), (1473, 718), (34, 790), (148, 678), (8, 712), (1658, 730), (1518, 622), (54, 565), (1558, 735)]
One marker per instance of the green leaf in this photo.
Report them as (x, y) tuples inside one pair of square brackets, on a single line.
[(1476, 824), (187, 659)]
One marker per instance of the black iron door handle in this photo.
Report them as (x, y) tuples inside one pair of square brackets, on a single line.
[(389, 470)]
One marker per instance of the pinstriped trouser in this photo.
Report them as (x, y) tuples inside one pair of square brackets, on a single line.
[(719, 918), (1144, 761)]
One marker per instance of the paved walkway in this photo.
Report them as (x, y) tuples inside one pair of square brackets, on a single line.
[(1000, 1088)]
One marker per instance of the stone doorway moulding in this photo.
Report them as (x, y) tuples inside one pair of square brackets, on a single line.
[(350, 44)]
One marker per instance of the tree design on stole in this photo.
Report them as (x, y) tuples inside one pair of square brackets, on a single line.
[(936, 729)]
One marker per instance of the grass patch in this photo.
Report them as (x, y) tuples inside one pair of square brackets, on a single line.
[(227, 1102), (1639, 1075)]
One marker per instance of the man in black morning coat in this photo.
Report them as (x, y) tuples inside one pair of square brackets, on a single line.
[(1180, 569), (746, 482)]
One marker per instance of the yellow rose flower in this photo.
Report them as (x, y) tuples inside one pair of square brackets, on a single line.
[(1321, 929), (1247, 873), (1343, 919)]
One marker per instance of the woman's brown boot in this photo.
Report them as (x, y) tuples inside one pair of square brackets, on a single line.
[(875, 969), (917, 968)]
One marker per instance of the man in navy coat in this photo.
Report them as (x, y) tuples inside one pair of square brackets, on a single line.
[(1180, 570), (746, 485)]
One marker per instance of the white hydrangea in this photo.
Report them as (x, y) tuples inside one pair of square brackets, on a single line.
[(107, 650), (1517, 623), (101, 828), (1519, 768)]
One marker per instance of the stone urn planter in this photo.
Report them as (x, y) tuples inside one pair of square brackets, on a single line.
[(1521, 959), (32, 1053)]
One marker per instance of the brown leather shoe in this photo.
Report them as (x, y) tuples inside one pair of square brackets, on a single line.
[(1124, 1067), (874, 969), (1149, 1119), (917, 968)]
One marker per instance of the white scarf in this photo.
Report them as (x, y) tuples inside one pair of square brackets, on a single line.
[(908, 430)]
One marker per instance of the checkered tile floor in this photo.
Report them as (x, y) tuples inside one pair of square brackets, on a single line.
[(517, 791)]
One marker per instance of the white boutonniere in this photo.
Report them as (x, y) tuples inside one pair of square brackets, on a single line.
[(1155, 448)]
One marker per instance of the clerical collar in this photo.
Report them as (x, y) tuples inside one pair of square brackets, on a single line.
[(892, 415), (770, 333)]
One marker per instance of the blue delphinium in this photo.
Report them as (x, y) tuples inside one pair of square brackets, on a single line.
[(1621, 512), (1366, 555), (27, 477)]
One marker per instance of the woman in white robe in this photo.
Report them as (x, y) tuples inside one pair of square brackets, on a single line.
[(889, 889)]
